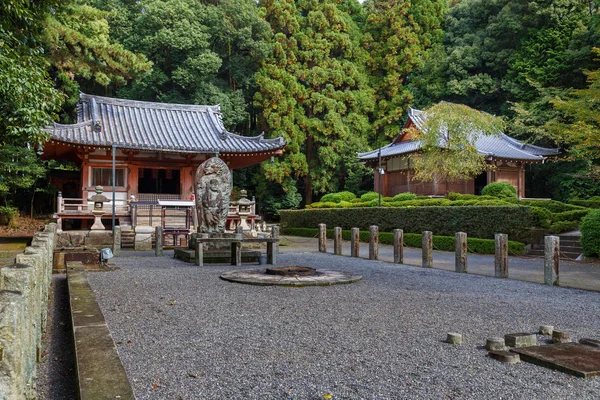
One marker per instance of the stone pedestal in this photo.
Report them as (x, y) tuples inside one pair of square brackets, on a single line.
[(143, 238), (97, 220)]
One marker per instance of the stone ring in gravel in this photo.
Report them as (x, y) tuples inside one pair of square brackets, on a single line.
[(262, 277)]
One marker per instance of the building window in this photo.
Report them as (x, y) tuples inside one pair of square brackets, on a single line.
[(102, 177)]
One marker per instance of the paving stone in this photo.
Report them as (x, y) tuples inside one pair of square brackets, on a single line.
[(454, 338), (560, 337), (258, 277), (504, 356), (520, 339), (571, 358)]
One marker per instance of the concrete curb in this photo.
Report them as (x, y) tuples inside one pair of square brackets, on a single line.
[(100, 373)]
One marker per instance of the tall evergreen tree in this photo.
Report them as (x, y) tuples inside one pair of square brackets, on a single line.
[(314, 91), (399, 34)]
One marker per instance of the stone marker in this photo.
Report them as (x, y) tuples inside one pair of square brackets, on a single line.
[(337, 241), (427, 249), (116, 247), (495, 343), (158, 248), (398, 246), (546, 330), (322, 238), (274, 247), (501, 258), (373, 242), (454, 338), (355, 242), (551, 260), (561, 337), (199, 253), (590, 342), (460, 264), (504, 356), (520, 339)]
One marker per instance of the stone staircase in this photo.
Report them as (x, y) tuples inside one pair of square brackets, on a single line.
[(570, 246)]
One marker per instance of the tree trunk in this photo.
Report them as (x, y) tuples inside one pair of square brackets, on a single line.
[(31, 205)]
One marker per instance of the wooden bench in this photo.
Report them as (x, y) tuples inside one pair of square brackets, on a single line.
[(236, 248)]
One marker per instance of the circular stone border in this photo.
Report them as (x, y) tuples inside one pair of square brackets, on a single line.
[(260, 278)]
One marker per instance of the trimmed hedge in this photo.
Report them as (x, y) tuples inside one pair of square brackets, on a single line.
[(478, 222), (369, 196), (446, 243), (590, 234), (592, 202), (499, 189), (551, 205), (404, 196)]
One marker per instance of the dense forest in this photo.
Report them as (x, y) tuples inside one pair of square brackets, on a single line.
[(334, 77)]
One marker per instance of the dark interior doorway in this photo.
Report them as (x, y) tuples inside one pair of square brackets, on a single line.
[(164, 181), (480, 182)]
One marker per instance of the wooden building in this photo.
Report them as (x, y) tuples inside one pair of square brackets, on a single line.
[(507, 156), (157, 147)]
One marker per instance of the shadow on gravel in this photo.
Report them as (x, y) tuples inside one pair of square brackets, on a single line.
[(56, 372)]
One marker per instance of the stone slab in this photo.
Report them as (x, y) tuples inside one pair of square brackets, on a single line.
[(144, 229), (520, 339), (504, 356), (571, 358), (590, 342), (258, 277), (189, 255)]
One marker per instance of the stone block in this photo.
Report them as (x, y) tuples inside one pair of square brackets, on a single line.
[(495, 343), (454, 338), (520, 339), (99, 239), (144, 230), (561, 337), (546, 330), (12, 380), (116, 246), (504, 356)]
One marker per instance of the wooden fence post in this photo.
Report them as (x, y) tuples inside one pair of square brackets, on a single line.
[(501, 259), (461, 252), (551, 260), (337, 241), (427, 249), (355, 242), (398, 246), (322, 238), (373, 242)]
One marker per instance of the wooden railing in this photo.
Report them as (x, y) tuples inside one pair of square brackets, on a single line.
[(67, 205)]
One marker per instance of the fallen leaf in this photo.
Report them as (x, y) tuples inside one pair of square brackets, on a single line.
[(191, 375), (327, 396)]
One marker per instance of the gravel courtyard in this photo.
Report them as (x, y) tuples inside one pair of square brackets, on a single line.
[(182, 333)]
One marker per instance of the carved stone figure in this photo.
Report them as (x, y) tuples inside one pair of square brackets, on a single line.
[(213, 191)]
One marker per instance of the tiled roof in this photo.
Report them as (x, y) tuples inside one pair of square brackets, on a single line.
[(496, 146), (142, 125)]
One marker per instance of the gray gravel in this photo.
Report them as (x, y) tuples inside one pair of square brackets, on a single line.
[(182, 333)]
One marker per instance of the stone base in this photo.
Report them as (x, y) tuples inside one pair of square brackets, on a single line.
[(520, 339), (215, 256), (61, 258), (260, 278)]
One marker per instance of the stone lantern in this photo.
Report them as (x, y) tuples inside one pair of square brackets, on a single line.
[(99, 199), (244, 209)]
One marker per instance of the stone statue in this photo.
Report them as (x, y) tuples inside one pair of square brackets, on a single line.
[(213, 191)]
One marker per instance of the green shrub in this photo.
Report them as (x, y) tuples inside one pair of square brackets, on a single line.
[(369, 196), (592, 202), (499, 189), (563, 226), (478, 222), (338, 197), (404, 196), (8, 215), (358, 200), (388, 199), (575, 215), (590, 234), (551, 205), (320, 204), (445, 243), (542, 217)]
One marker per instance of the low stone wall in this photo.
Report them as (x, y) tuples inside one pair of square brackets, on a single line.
[(24, 290)]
